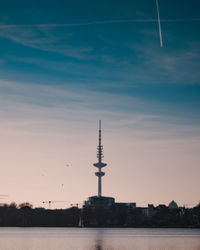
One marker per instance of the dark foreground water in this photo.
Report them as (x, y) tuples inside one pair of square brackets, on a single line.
[(98, 239)]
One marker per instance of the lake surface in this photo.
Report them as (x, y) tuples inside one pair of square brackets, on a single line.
[(98, 239)]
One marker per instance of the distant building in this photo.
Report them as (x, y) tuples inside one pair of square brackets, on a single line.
[(103, 201), (161, 206), (173, 205), (125, 204), (151, 210)]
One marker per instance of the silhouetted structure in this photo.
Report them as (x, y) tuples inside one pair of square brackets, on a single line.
[(99, 200), (99, 164), (173, 205)]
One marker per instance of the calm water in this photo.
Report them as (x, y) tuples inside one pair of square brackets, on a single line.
[(98, 239)]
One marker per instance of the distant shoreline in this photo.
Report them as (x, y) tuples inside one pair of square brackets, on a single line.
[(99, 217)]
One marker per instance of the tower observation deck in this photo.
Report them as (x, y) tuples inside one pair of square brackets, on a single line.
[(99, 164)]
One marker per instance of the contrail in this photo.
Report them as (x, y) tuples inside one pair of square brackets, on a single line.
[(5, 26), (55, 25), (159, 25)]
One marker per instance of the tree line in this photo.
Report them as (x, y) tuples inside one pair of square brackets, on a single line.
[(24, 215)]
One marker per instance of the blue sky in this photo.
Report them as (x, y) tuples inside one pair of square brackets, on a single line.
[(66, 64), (123, 58)]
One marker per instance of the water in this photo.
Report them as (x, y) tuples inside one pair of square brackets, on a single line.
[(98, 239)]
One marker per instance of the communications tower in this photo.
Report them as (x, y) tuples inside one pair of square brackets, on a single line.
[(99, 164), (99, 201)]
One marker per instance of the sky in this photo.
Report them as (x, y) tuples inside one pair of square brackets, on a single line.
[(66, 64)]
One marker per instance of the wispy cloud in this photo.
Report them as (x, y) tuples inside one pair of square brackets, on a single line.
[(179, 66), (81, 71), (40, 108), (40, 36), (43, 39), (146, 66)]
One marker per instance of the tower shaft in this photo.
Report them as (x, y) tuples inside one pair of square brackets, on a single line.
[(99, 186)]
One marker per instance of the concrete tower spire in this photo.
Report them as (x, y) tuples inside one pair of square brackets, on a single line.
[(99, 164)]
